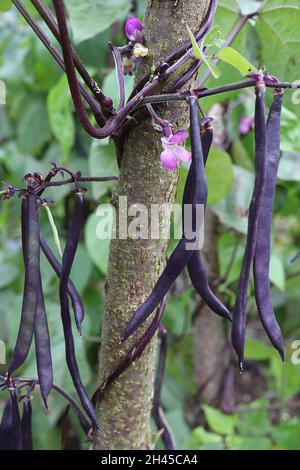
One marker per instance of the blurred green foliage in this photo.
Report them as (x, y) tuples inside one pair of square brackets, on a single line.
[(38, 125)]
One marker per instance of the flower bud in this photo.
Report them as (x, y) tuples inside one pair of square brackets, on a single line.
[(133, 28)]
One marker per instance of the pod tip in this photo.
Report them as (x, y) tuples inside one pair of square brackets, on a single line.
[(241, 367), (45, 400)]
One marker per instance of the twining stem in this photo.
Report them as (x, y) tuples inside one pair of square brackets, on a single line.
[(45, 13), (58, 58), (120, 75), (83, 179), (173, 97)]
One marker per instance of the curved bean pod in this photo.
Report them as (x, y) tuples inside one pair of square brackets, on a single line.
[(133, 354), (67, 261), (180, 256), (240, 308), (76, 301), (196, 267), (261, 264), (30, 235)]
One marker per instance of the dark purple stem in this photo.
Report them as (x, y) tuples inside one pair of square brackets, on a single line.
[(120, 75)]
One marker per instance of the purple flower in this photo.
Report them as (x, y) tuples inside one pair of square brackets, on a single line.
[(246, 124), (173, 151), (133, 28)]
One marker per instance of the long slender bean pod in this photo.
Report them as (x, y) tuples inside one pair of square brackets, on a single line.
[(133, 354), (196, 267), (240, 308), (26, 425), (261, 264), (181, 255), (76, 301), (30, 296), (43, 347), (41, 330), (157, 412), (67, 261), (10, 427)]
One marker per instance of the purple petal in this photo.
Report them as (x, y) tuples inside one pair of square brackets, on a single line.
[(168, 160), (178, 137), (182, 154), (132, 25)]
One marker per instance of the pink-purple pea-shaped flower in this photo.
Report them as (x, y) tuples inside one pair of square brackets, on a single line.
[(174, 150)]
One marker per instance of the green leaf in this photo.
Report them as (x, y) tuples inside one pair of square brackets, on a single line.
[(287, 435), (289, 167), (5, 5), (54, 229), (219, 174), (257, 351), (82, 269), (33, 131), (111, 88), (277, 272), (102, 161), (2, 352), (234, 58), (215, 37), (233, 210), (199, 437), (249, 6), (97, 235), (218, 421), (276, 25), (214, 69), (60, 115), (8, 273), (255, 423), (90, 17), (248, 443), (176, 421)]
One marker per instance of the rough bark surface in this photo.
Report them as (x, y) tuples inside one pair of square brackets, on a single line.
[(134, 265)]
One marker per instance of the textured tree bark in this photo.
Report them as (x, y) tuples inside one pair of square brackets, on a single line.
[(134, 265), (209, 332)]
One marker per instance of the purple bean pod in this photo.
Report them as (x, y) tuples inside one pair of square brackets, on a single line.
[(10, 427), (261, 265), (30, 235), (74, 295), (196, 267), (157, 412), (181, 255), (43, 347), (240, 308), (133, 354), (26, 425), (67, 262), (41, 330)]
